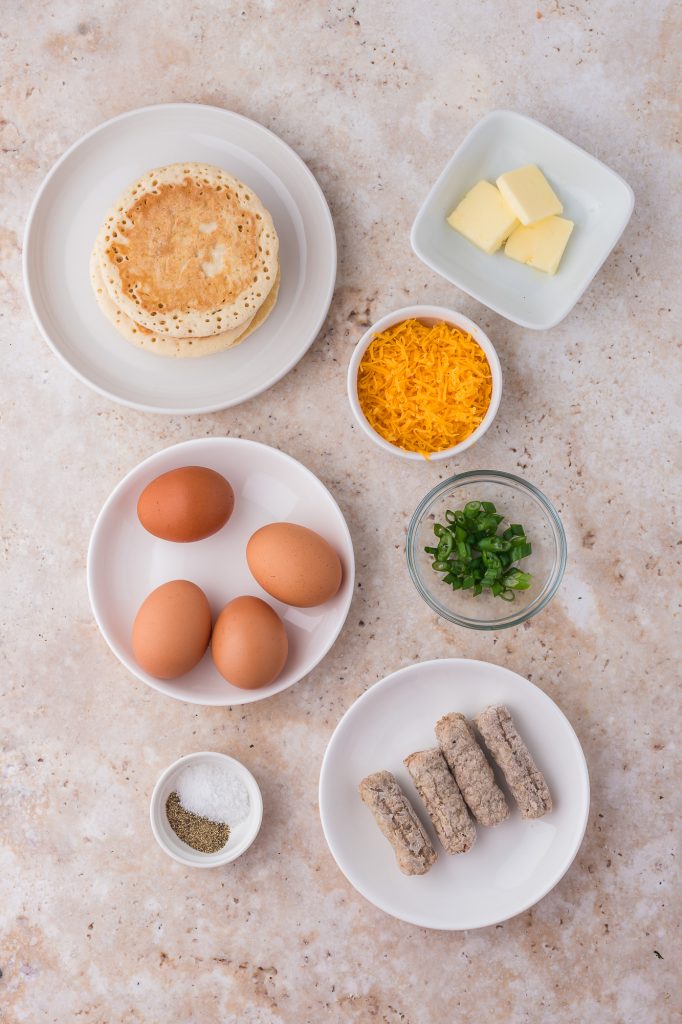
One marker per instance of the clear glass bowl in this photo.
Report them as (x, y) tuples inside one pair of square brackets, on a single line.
[(519, 502)]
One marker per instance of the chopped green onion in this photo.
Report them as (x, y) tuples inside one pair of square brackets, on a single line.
[(491, 560), (445, 546), (473, 556), (494, 544), (515, 579), (463, 550), (488, 524)]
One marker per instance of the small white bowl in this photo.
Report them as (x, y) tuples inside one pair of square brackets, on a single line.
[(241, 836), (595, 198), (427, 315)]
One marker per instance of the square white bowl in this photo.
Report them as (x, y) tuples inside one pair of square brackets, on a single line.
[(597, 199)]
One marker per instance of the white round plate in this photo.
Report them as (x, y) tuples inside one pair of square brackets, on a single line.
[(125, 563), (509, 868), (84, 184)]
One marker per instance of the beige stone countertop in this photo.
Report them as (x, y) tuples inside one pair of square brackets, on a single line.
[(98, 925)]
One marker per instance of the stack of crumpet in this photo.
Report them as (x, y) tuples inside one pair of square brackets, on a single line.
[(186, 262)]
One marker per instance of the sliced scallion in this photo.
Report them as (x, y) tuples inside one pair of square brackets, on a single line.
[(472, 555)]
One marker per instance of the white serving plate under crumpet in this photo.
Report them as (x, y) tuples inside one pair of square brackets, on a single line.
[(79, 191)]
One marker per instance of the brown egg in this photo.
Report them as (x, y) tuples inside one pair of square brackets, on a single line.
[(249, 643), (172, 629), (186, 504), (294, 564)]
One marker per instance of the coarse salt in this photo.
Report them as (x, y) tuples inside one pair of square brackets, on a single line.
[(213, 792)]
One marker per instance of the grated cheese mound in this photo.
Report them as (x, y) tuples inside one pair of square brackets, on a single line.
[(424, 389)]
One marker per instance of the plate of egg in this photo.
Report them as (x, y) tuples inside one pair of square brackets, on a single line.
[(220, 571)]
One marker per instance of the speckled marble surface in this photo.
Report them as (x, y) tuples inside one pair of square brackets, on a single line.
[(97, 924)]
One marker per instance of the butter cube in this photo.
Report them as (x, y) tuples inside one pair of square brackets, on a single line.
[(529, 194), (540, 245), (483, 217)]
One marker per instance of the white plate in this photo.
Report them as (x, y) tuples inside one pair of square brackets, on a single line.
[(594, 197), (509, 868), (125, 563), (81, 188)]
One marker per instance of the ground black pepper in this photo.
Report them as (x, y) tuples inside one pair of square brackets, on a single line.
[(199, 833)]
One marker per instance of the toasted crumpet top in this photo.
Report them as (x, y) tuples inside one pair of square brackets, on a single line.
[(188, 250), (175, 347)]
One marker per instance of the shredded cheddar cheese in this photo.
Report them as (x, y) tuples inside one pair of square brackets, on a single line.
[(424, 389)]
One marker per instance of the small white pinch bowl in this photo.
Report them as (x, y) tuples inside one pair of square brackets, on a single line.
[(241, 836), (427, 315)]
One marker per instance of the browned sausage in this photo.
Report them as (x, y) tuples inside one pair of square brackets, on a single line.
[(524, 778), (397, 819), (436, 786), (473, 774)]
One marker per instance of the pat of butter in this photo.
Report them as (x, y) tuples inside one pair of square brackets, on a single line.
[(483, 217), (529, 194), (540, 245)]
